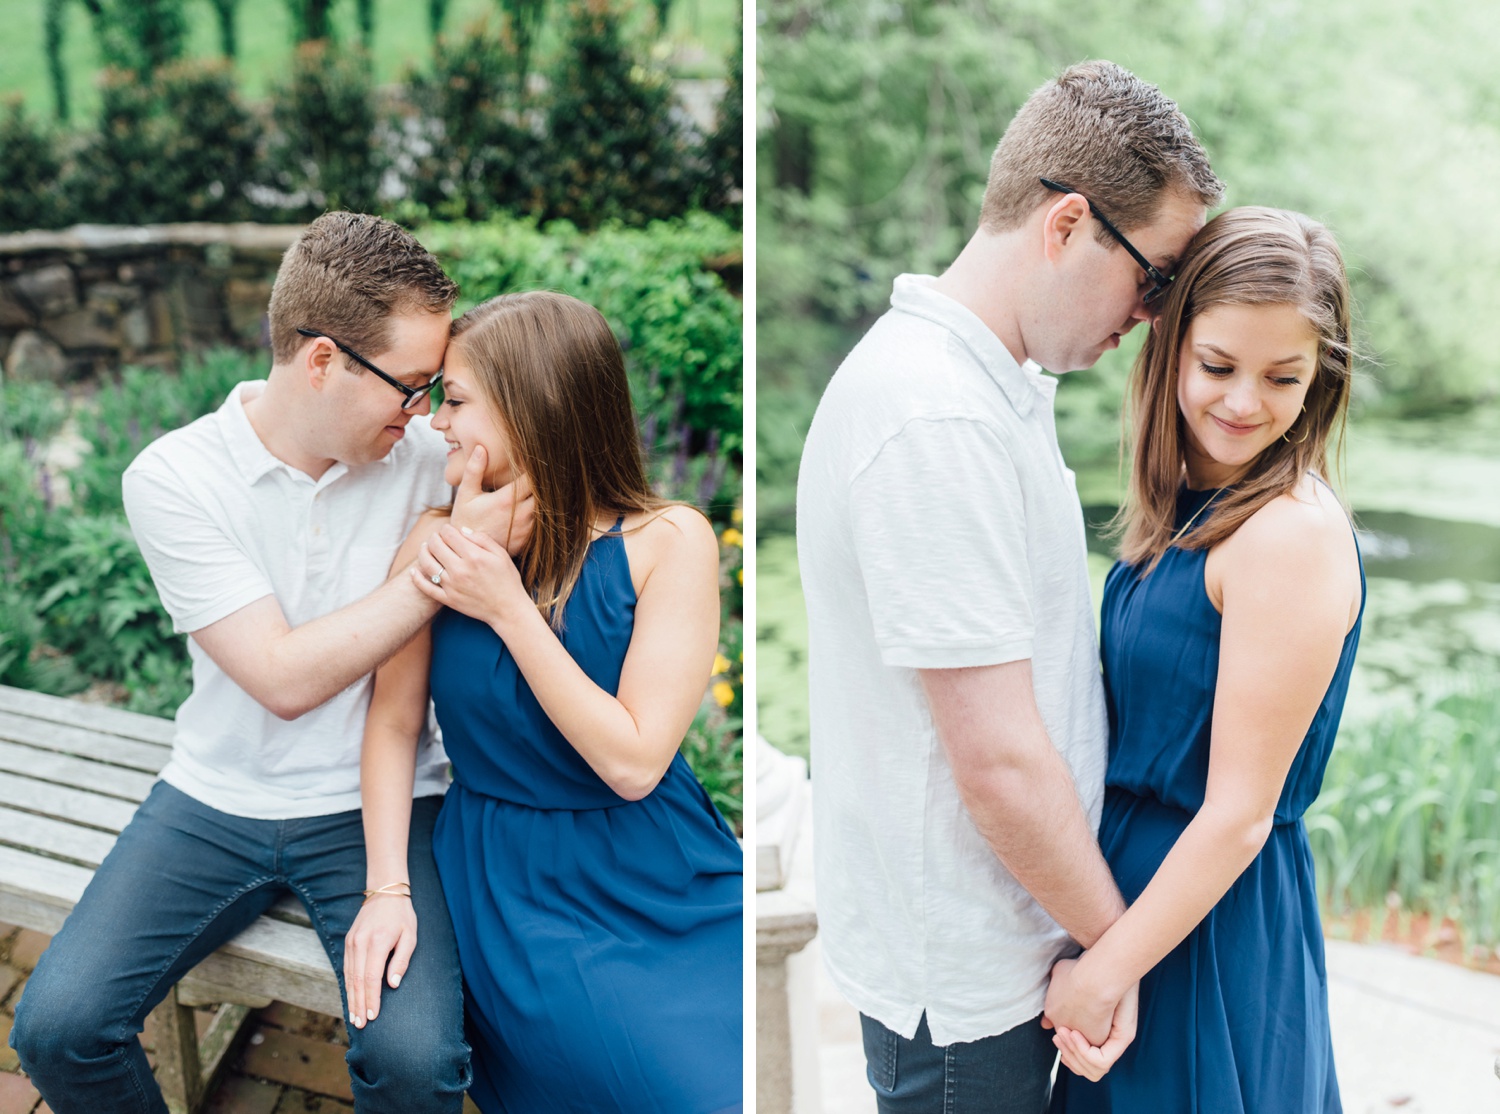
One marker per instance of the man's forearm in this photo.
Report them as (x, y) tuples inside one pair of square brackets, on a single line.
[(1030, 814), (292, 670), (334, 651), (1020, 792)]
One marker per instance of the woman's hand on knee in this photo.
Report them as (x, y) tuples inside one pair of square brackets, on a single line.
[(378, 948)]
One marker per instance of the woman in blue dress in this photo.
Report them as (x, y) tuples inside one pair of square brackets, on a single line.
[(595, 890), (1228, 634)]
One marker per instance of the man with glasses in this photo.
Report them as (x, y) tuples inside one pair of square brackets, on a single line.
[(958, 720), (270, 527)]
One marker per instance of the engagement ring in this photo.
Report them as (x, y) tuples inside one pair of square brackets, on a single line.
[(437, 577)]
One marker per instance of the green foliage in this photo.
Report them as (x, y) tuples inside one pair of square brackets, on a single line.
[(722, 186), (54, 12), (327, 154), (678, 324), (1403, 820), (524, 17), (177, 147), (714, 748), (139, 35), (613, 151), (311, 20), (224, 12), (100, 607), (30, 412), (480, 156), (29, 173)]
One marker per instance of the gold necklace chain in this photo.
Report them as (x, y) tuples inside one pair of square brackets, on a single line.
[(1186, 526)]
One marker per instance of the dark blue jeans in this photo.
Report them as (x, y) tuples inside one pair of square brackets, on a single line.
[(182, 880), (1005, 1074)]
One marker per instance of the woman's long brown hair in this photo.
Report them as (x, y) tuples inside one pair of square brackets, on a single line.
[(551, 372), (1245, 257)]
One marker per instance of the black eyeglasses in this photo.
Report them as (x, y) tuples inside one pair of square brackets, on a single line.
[(414, 395), (1159, 281)]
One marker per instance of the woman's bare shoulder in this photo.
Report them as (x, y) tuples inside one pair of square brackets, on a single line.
[(1303, 537), (676, 535)]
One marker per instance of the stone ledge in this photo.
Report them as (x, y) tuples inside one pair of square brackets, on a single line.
[(111, 238)]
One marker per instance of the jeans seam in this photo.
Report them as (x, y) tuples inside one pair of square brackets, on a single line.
[(950, 1097), (189, 937)]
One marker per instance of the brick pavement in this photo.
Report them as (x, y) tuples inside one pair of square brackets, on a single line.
[(293, 1062)]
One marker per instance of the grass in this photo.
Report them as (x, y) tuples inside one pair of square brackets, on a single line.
[(703, 31)]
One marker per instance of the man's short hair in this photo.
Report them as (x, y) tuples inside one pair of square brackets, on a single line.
[(345, 276), (1101, 130)]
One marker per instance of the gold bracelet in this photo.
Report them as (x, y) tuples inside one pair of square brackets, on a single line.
[(390, 889)]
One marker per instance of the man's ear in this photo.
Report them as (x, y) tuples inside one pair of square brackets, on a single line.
[(317, 362), (1061, 223)]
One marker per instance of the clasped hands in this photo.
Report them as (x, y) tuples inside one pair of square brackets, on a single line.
[(1093, 1027)]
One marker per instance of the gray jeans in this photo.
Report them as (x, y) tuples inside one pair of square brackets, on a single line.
[(1005, 1074)]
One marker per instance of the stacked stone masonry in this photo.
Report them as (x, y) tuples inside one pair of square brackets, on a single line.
[(83, 301)]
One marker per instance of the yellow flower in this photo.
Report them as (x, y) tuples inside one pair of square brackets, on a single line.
[(732, 536), (739, 575), (723, 692), (721, 664), (737, 516)]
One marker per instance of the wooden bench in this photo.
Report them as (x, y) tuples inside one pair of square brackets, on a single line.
[(71, 776)]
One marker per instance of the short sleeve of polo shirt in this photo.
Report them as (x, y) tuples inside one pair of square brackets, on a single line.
[(939, 528), (201, 575)]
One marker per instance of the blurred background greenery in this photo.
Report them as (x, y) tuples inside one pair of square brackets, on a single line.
[(875, 127)]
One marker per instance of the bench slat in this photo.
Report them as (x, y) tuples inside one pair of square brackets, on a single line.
[(65, 769), (75, 805), (53, 837), (46, 735), (300, 976), (282, 960), (94, 717)]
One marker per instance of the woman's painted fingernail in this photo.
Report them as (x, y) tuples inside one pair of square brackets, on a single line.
[(466, 530), (371, 1014), (395, 980)]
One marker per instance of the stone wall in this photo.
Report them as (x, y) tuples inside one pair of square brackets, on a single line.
[(83, 301)]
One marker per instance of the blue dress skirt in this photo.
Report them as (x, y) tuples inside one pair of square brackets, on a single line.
[(1235, 1019), (600, 938)]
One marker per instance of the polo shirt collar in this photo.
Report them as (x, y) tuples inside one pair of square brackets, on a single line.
[(249, 453), (1022, 383)]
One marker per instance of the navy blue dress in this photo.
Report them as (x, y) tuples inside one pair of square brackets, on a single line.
[(1235, 1019), (600, 938)]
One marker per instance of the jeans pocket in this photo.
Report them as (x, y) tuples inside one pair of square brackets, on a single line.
[(880, 1054)]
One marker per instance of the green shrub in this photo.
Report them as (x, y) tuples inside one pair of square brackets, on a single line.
[(30, 170), (178, 147), (613, 150), (139, 35), (326, 153), (722, 187), (477, 154), (679, 325)]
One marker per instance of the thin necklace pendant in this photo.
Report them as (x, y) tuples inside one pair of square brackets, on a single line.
[(1188, 525)]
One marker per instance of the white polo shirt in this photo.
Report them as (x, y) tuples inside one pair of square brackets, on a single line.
[(937, 528), (223, 523)]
